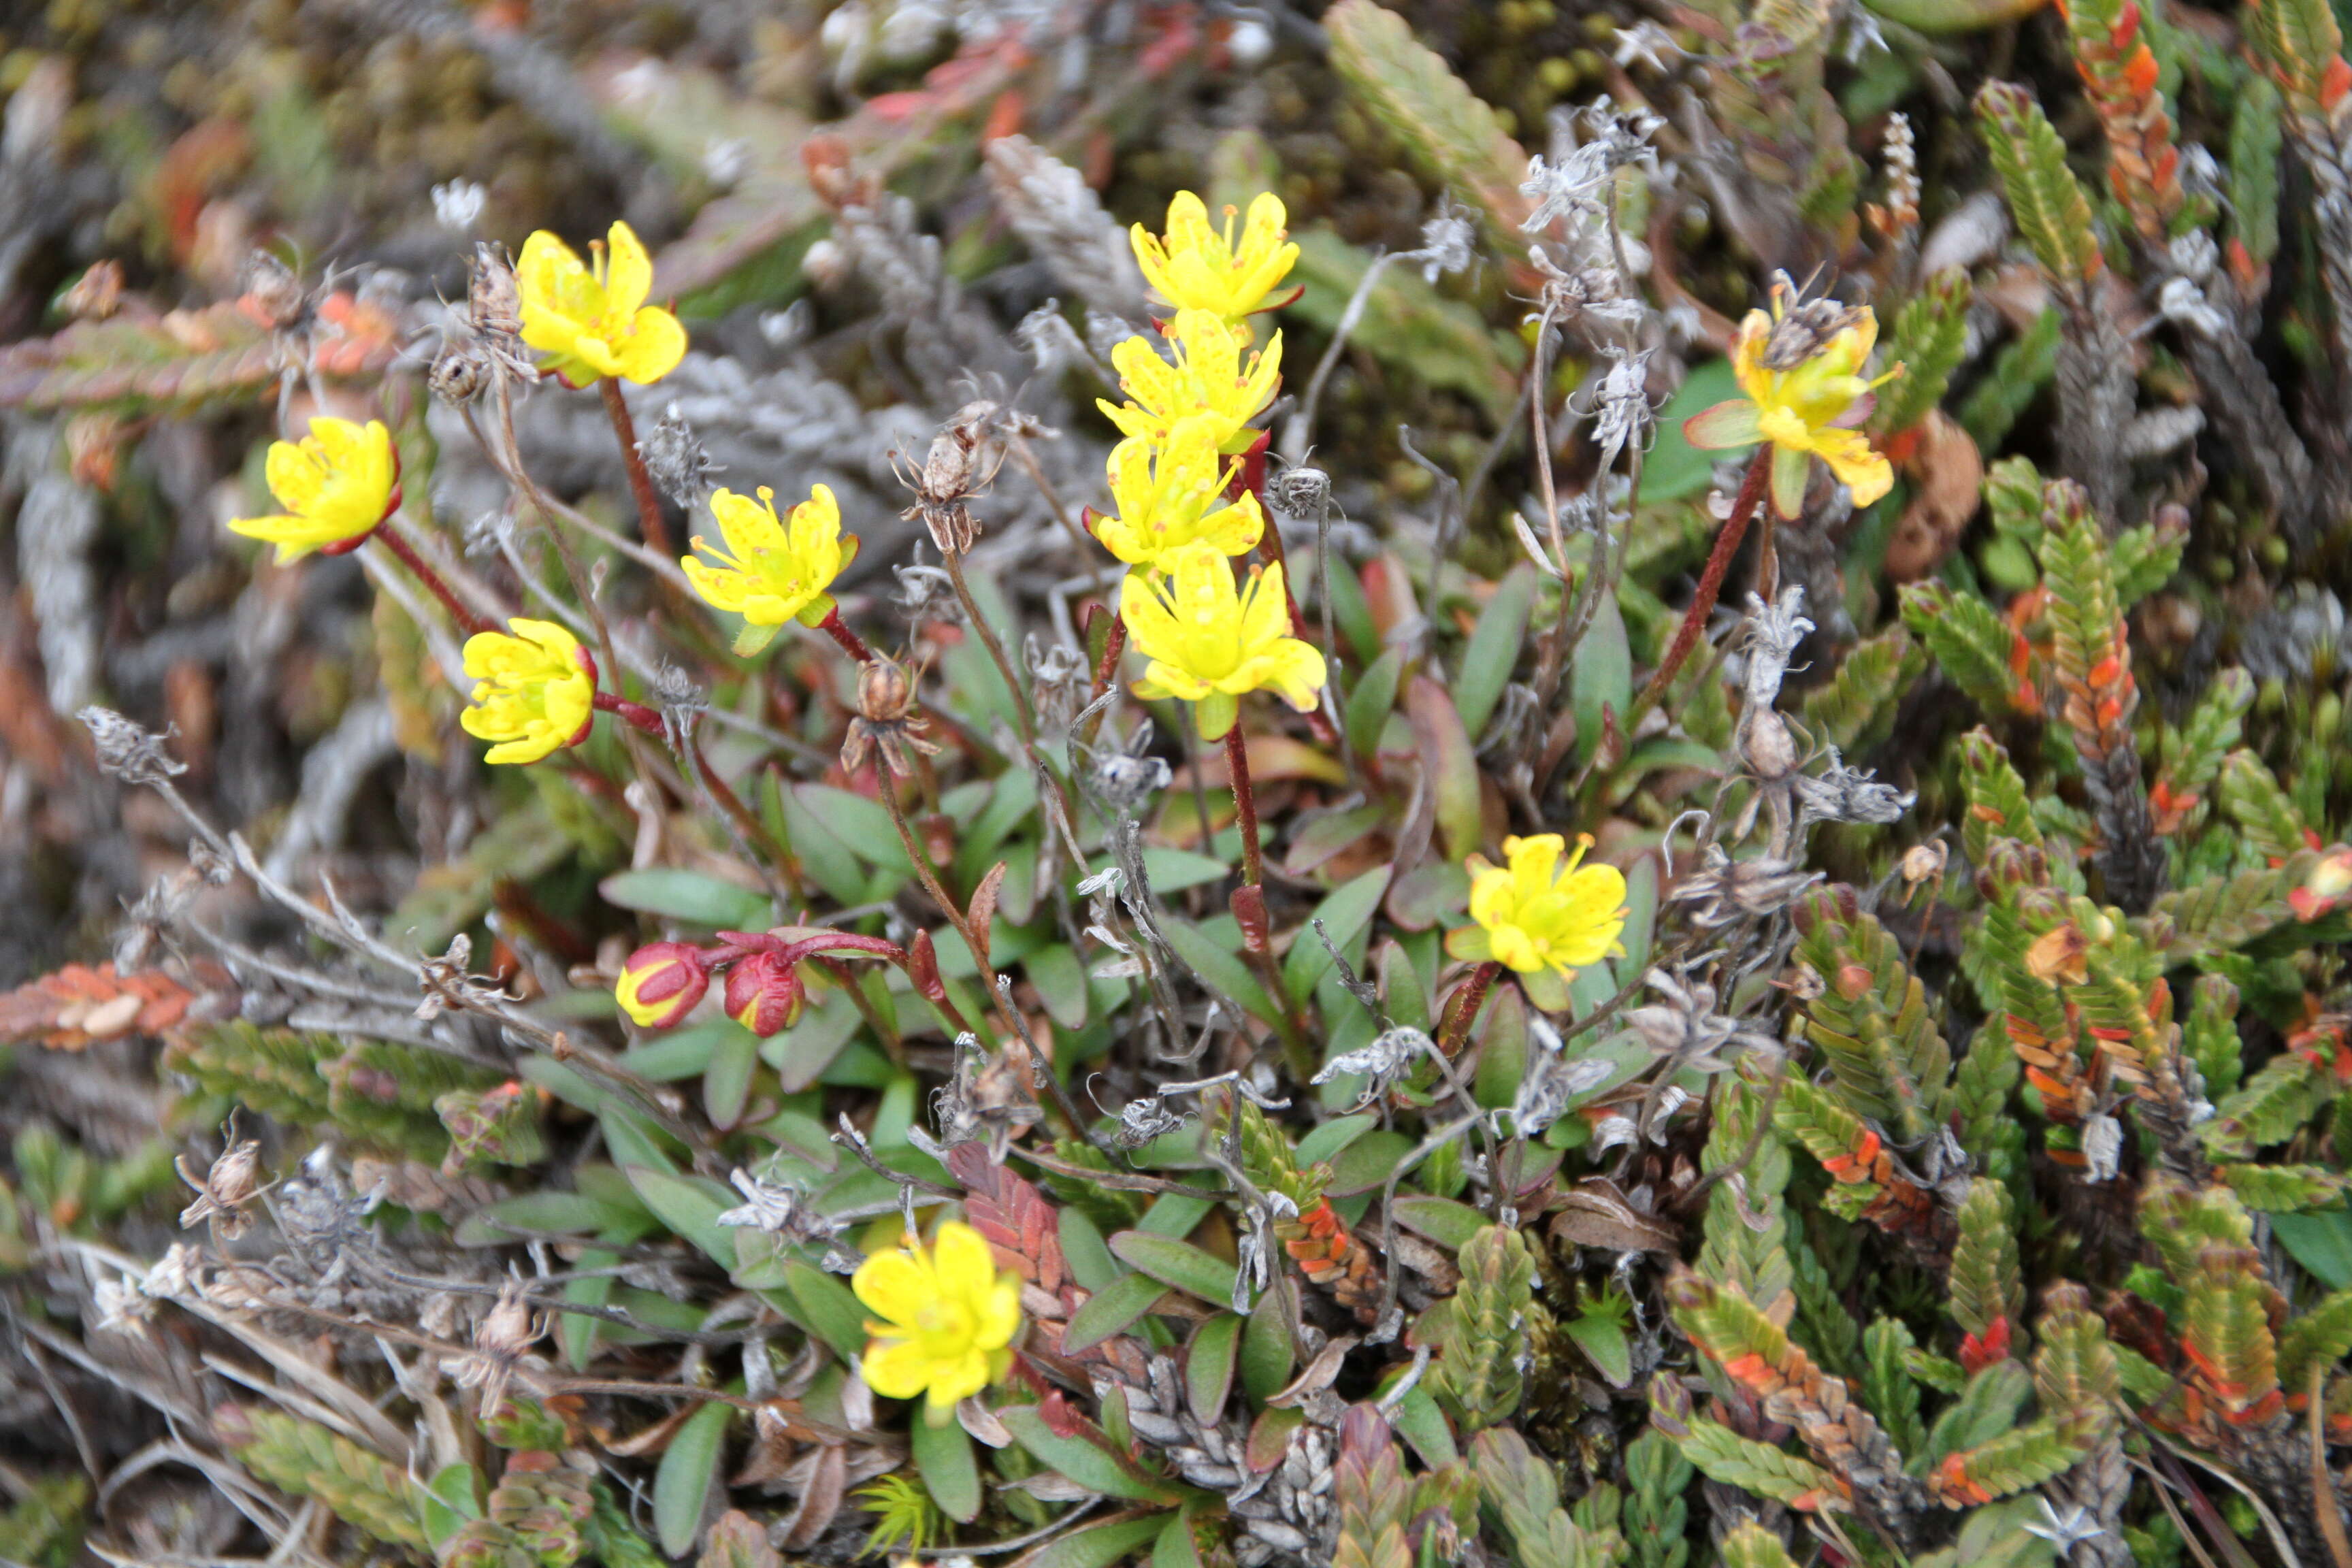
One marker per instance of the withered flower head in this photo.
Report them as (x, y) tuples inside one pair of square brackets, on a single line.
[(954, 470), (96, 294), (2060, 954), (273, 294), (887, 720), (459, 373), (223, 1190)]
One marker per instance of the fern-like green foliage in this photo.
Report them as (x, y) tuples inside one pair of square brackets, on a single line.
[(1656, 1518), (379, 1095), (1753, 1546), (1855, 709), (2053, 215), (2256, 134), (305, 1459), (1477, 1377), (1986, 1284), (1929, 336), (1969, 641), (1441, 123), (2019, 371), (1738, 1250), (2285, 1092), (2263, 811), (1872, 1021), (1888, 1388)]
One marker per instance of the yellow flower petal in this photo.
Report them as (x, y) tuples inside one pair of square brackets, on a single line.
[(895, 1286)]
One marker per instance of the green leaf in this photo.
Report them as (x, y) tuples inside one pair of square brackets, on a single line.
[(688, 1467), (1176, 1548), (1604, 1339), (1090, 1464), (828, 1308), (1173, 871), (1372, 700), (1099, 1545), (944, 1458), (1176, 1263), (1221, 968), (1209, 1363), (1452, 768), (1265, 1347), (1494, 648), (727, 1082), (1112, 1311), (690, 1206), (451, 1499), (2321, 1242), (690, 896), (1675, 468), (1445, 1221), (1344, 914), (1602, 677)]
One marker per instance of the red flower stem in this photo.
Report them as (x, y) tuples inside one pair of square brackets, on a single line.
[(651, 524), (405, 550), (1710, 584), (637, 713), (851, 643), (1246, 803), (1463, 1010)]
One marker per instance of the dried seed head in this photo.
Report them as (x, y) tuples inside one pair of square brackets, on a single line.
[(1923, 862), (273, 294), (675, 456), (1128, 782), (507, 1332), (458, 374), (126, 751), (223, 1190), (884, 694), (1300, 491), (493, 298), (887, 720), (96, 294), (1805, 327)]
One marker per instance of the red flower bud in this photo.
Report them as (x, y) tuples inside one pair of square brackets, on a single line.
[(763, 993), (661, 983)]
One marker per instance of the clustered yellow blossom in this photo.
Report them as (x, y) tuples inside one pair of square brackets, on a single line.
[(1176, 481), (337, 484), (1540, 918), (535, 691), (773, 570), (1805, 398), (948, 1319), (592, 320)]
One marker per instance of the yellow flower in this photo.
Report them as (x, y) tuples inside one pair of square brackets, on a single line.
[(1209, 388), (336, 484), (1211, 644), (948, 1318), (1170, 497), (778, 571), (1539, 918), (596, 324), (1196, 268), (1805, 410), (535, 691)]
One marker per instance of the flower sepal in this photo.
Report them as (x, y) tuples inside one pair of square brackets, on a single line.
[(764, 992)]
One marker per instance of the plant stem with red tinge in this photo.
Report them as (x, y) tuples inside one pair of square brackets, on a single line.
[(637, 713), (851, 642), (1463, 1010), (1710, 584), (405, 550), (1245, 804), (651, 524)]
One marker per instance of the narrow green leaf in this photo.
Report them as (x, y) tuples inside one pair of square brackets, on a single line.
[(1090, 1464), (944, 1455), (1112, 1311), (1209, 1363), (688, 1467), (1494, 648), (1177, 1263)]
